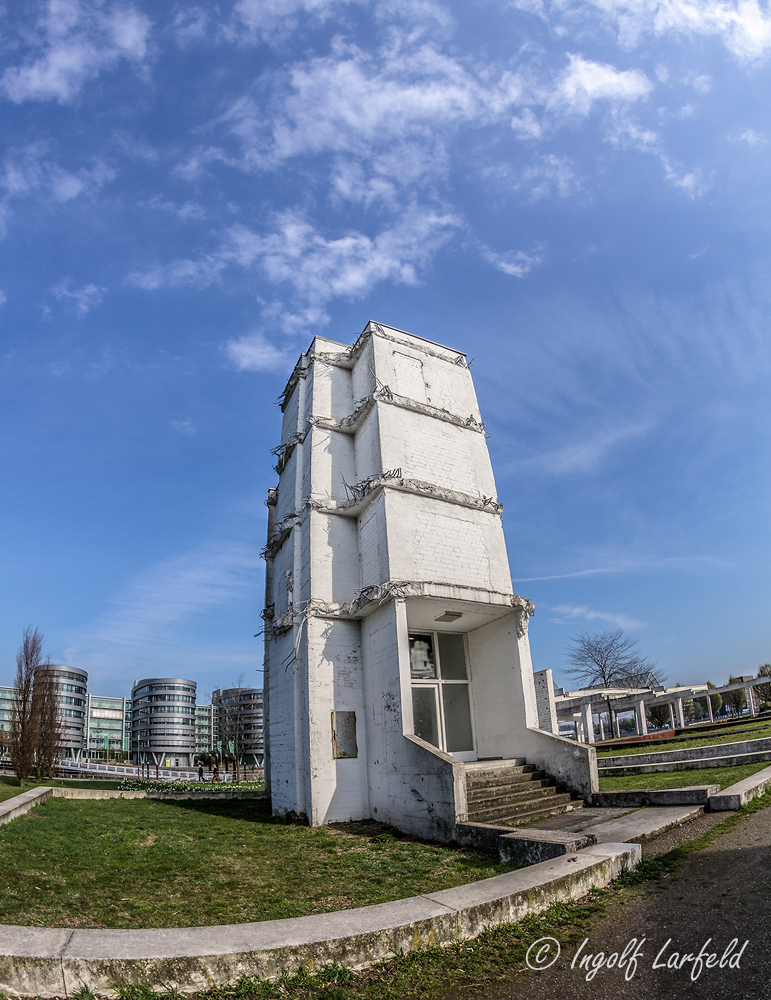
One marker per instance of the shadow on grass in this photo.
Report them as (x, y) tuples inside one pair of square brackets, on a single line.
[(251, 810)]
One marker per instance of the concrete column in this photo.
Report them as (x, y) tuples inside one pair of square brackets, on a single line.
[(709, 709), (579, 731), (679, 716), (642, 722), (750, 696), (616, 727), (671, 715), (602, 727), (588, 720)]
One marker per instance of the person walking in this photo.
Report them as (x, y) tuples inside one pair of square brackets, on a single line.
[(200, 772), (216, 775)]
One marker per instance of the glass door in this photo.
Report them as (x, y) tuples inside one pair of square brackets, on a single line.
[(441, 702)]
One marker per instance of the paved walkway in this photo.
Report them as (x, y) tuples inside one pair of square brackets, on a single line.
[(722, 892), (619, 825)]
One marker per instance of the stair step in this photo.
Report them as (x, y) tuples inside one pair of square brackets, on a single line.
[(543, 813), (484, 772), (516, 783), (515, 788), (480, 765), (538, 811), (515, 775), (506, 810), (536, 790)]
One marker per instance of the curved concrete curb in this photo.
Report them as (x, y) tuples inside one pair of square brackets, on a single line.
[(49, 962)]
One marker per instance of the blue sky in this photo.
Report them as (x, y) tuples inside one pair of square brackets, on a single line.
[(574, 193)]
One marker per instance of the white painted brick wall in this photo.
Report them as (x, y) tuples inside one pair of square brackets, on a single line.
[(436, 452), (363, 665)]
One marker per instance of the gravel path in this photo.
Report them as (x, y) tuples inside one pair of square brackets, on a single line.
[(721, 892)]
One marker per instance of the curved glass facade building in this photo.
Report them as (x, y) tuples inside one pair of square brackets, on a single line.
[(71, 688), (163, 721), (238, 723)]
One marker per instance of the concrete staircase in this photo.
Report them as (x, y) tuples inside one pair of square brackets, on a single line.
[(513, 791)]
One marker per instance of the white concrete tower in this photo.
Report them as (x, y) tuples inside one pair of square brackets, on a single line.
[(395, 650)]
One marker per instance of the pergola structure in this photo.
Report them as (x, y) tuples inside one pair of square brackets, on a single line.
[(580, 707)]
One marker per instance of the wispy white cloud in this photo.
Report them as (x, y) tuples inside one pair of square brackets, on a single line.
[(84, 299), (624, 132), (387, 116), (583, 82), (200, 273), (33, 169), (185, 210), (72, 43), (751, 137), (144, 621), (273, 20), (546, 176), (647, 564), (568, 614), (254, 353), (32, 172), (701, 82), (186, 427), (583, 456), (316, 268), (422, 17), (551, 174), (517, 263), (191, 23), (743, 26)]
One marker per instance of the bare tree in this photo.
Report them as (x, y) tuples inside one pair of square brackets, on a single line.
[(25, 725), (45, 708), (609, 659)]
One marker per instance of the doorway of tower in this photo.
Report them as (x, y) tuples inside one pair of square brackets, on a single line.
[(441, 702)]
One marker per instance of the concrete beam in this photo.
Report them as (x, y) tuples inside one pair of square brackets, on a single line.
[(642, 723), (588, 722)]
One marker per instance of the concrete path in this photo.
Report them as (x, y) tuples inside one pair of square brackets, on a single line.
[(719, 894), (621, 825)]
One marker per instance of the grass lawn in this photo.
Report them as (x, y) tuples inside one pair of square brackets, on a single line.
[(723, 776), (486, 965), (736, 734), (147, 863), (9, 785)]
